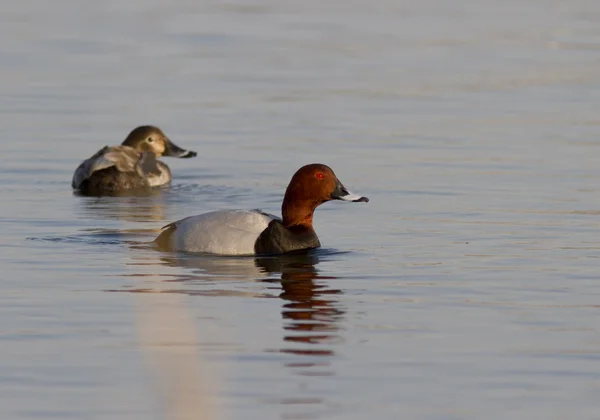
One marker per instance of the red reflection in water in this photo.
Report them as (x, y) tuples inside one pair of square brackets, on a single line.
[(311, 312)]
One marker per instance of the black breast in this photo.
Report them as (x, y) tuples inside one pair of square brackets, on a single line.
[(277, 239)]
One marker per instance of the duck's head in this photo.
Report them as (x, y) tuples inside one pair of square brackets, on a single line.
[(311, 186), (147, 138)]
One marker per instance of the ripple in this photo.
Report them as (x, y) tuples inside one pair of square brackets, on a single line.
[(98, 237)]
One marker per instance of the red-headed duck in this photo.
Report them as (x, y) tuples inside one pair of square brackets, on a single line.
[(253, 232), (131, 165)]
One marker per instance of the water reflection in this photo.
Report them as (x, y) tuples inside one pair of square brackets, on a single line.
[(207, 268), (310, 312), (134, 206)]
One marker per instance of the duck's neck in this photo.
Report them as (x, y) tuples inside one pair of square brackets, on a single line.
[(300, 215)]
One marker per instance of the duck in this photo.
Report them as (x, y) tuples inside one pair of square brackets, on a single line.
[(254, 232), (132, 165)]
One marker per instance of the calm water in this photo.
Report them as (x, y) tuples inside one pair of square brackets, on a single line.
[(468, 288)]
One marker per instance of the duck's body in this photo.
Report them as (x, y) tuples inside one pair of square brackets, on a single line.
[(253, 232), (119, 168), (235, 232), (132, 165)]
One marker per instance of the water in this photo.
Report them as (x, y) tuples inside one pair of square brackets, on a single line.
[(466, 289)]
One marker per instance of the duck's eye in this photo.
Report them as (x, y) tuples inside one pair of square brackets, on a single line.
[(149, 139), (319, 175)]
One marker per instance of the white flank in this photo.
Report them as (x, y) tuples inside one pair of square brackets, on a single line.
[(224, 232)]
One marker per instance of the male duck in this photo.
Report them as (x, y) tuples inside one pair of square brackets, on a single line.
[(253, 232), (131, 165)]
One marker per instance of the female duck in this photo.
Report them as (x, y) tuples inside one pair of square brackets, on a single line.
[(253, 232), (131, 165)]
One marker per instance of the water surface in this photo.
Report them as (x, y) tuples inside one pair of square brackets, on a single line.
[(467, 287)]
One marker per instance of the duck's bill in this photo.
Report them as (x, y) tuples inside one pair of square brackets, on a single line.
[(171, 149), (355, 198), (341, 193)]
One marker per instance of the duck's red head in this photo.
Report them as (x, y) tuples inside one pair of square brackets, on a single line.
[(311, 186)]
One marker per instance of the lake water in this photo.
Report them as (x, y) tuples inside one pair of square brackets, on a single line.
[(467, 288)]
